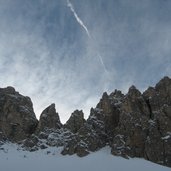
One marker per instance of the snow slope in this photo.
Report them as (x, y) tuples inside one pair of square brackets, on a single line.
[(14, 159)]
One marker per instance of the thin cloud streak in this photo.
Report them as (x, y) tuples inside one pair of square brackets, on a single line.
[(87, 31), (101, 61), (77, 18), (44, 54)]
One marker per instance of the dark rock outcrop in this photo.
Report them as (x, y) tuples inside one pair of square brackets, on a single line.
[(144, 127), (133, 125), (158, 146), (49, 119), (49, 131), (98, 129), (76, 121), (17, 118), (130, 135)]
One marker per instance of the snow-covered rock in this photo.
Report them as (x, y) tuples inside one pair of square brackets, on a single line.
[(132, 125)]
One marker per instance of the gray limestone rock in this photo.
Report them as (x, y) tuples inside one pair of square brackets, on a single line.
[(76, 121), (17, 118), (49, 119), (134, 125)]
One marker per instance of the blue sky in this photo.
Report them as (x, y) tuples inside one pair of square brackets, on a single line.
[(47, 55)]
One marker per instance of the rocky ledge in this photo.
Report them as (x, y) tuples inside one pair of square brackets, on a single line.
[(133, 125)]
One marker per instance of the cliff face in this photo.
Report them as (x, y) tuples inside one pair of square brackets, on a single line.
[(133, 125), (17, 118), (49, 119)]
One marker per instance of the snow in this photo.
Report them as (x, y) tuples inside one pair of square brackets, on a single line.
[(98, 110), (14, 159), (152, 122), (44, 115), (167, 136)]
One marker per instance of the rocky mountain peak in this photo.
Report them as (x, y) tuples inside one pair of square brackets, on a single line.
[(133, 92), (164, 82), (149, 92), (133, 125), (117, 94), (49, 118), (17, 118), (164, 87), (76, 121), (105, 95), (8, 90)]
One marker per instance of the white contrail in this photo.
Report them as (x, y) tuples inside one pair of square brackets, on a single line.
[(77, 17), (69, 4), (101, 61)]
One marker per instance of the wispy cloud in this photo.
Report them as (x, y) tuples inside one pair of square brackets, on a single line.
[(44, 55), (69, 4)]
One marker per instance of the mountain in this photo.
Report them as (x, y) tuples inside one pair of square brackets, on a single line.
[(132, 125)]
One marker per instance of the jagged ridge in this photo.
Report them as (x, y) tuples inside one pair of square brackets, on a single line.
[(133, 125)]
